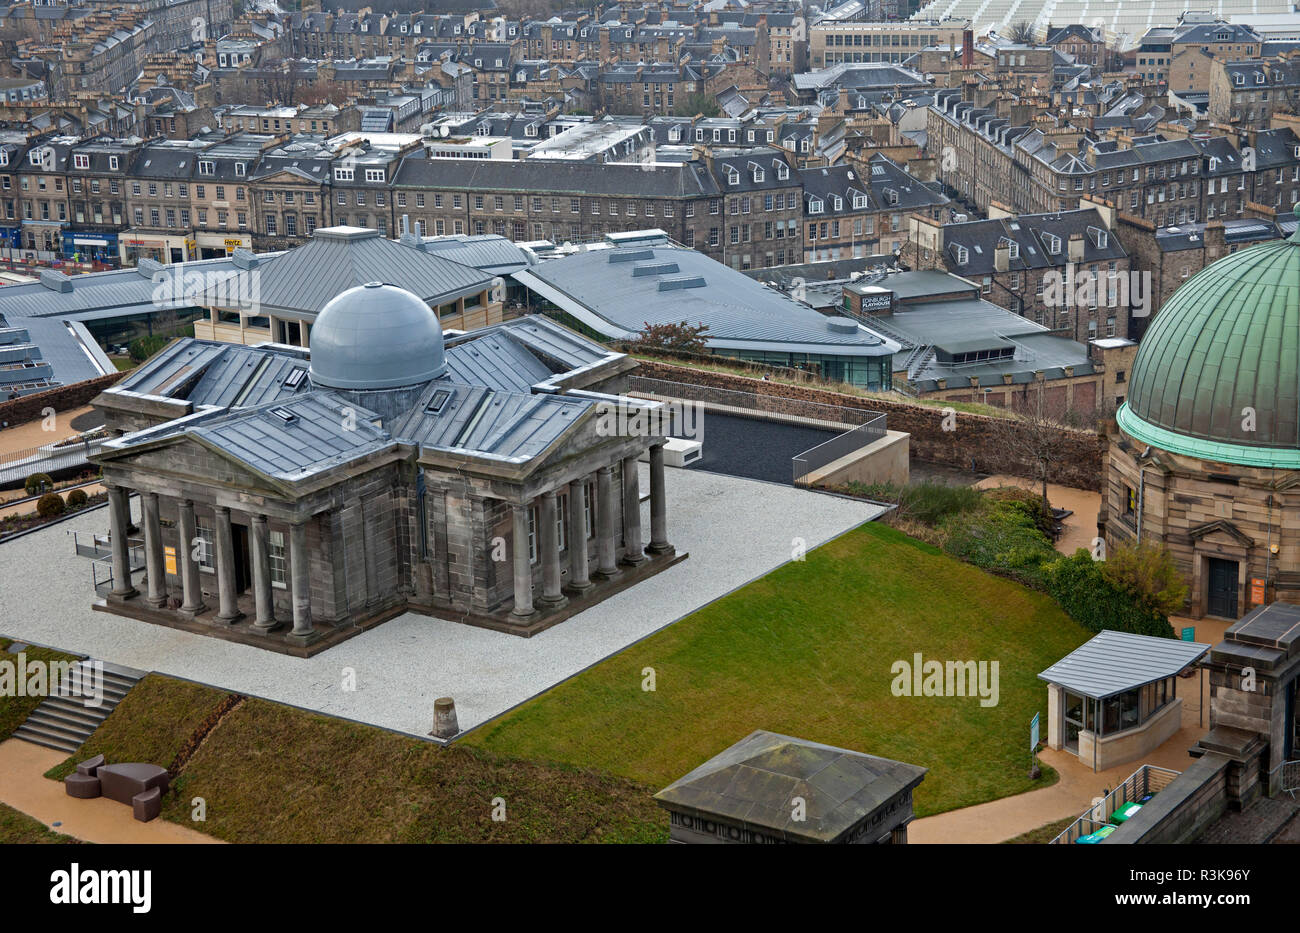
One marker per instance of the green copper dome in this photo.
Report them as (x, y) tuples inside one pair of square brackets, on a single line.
[(1217, 375)]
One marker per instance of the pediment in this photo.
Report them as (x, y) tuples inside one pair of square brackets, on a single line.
[(195, 462), (1221, 532)]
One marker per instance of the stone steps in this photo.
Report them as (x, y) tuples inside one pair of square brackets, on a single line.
[(63, 721)]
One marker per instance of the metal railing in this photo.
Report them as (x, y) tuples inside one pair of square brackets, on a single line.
[(1147, 779), (851, 441), (60, 455), (1286, 777), (775, 407), (100, 547)]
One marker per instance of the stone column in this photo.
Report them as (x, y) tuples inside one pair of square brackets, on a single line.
[(119, 519), (548, 536), (192, 602), (579, 573), (224, 540), (632, 550), (153, 550), (607, 516), (300, 583), (523, 569), (260, 544), (658, 503)]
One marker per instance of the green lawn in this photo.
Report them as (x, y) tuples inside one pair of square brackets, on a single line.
[(807, 651), (1043, 834)]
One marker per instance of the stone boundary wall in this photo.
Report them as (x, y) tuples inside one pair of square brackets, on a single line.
[(1182, 811), (29, 407), (974, 444)]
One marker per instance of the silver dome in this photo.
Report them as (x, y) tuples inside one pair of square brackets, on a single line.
[(375, 336)]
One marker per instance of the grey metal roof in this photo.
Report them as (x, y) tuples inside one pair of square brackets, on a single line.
[(293, 439), (489, 253), (619, 291), (1113, 662), (304, 279)]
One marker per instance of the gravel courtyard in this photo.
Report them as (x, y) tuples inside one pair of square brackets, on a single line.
[(735, 530)]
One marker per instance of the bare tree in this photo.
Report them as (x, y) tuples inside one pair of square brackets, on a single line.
[(1033, 440), (1023, 32)]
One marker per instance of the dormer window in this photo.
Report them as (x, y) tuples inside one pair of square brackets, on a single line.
[(81, 160), (206, 167), (1259, 77), (859, 201), (1238, 79), (240, 169), (342, 174), (375, 175), (815, 206), (1013, 250), (782, 171), (1053, 243), (837, 203), (37, 156), (4, 157), (1214, 163), (733, 176), (962, 255), (113, 162)]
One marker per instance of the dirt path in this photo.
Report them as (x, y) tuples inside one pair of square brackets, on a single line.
[(33, 434), (101, 820)]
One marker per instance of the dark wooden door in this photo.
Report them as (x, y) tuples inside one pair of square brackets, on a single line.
[(1222, 596)]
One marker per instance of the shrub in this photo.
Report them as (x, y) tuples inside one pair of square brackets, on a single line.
[(50, 505), (1080, 585), (1031, 501), (1148, 575), (1003, 538), (38, 482), (77, 499), (929, 503)]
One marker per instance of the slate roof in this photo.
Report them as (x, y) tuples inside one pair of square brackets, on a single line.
[(532, 176), (1031, 234), (752, 783)]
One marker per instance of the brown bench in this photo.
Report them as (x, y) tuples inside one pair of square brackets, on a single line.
[(136, 784)]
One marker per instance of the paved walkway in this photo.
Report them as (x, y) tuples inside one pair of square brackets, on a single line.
[(734, 529), (23, 787), (1072, 794), (33, 434)]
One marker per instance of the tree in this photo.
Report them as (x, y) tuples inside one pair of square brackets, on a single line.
[(678, 338), (704, 104), (1146, 572), (1023, 32), (1033, 439)]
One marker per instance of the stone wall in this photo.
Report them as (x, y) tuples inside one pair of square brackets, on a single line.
[(1182, 811), (975, 442), (64, 398)]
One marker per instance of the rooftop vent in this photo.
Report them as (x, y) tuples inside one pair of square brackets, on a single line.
[(654, 268), (148, 267), (674, 282), (243, 259), (55, 280), (842, 325), (630, 255), (284, 415), (294, 377), (438, 402)]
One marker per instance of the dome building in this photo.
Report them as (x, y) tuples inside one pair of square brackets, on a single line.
[(1205, 455), (392, 468)]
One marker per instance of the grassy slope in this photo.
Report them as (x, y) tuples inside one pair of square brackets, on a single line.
[(155, 720), (807, 651), (15, 709), (1043, 834), (272, 773)]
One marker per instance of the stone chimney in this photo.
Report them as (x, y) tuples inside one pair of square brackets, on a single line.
[(1075, 250)]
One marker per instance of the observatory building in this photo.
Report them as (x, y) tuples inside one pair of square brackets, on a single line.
[(1205, 459), (291, 499)]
